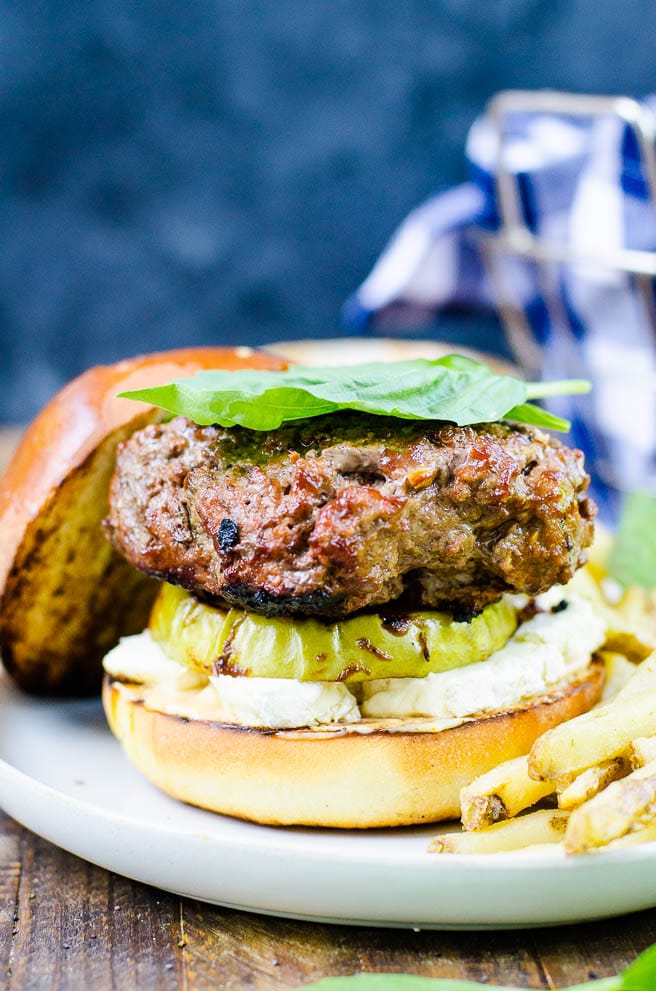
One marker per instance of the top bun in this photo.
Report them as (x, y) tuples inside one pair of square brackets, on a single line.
[(67, 596)]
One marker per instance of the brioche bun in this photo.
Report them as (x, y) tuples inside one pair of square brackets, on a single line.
[(67, 596), (348, 779)]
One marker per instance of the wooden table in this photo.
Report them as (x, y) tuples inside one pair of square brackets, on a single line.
[(68, 926)]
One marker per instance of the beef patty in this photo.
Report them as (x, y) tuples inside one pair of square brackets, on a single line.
[(349, 510)]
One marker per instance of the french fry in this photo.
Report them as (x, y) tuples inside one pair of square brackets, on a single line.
[(622, 807), (638, 605), (544, 826), (596, 736), (619, 672), (588, 783), (630, 622), (643, 680), (501, 794), (645, 835), (635, 645), (641, 751)]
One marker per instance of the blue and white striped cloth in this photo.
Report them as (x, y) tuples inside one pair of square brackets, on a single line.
[(582, 184)]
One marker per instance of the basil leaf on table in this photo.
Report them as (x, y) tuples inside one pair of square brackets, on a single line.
[(408, 982), (454, 388), (640, 976)]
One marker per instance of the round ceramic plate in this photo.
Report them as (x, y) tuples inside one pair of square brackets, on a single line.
[(64, 776)]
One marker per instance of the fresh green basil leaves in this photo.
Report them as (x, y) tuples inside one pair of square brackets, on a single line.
[(454, 388), (640, 976)]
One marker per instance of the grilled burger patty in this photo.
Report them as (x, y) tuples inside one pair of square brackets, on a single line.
[(350, 510)]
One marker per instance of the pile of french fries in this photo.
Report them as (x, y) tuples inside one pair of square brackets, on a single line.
[(593, 777)]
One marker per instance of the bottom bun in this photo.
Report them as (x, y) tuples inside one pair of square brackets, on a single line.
[(348, 779)]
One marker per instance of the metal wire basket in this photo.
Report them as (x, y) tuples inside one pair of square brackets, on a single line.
[(621, 444)]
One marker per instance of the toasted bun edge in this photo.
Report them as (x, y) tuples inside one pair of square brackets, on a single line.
[(65, 595), (347, 780), (81, 415)]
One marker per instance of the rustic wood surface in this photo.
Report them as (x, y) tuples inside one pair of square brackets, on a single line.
[(68, 926)]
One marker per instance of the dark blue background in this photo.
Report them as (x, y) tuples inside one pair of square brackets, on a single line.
[(190, 172)]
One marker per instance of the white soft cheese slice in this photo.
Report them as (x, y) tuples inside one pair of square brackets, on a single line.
[(282, 703), (274, 703), (544, 651), (139, 658)]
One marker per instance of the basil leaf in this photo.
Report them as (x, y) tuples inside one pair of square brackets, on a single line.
[(454, 389), (392, 982), (633, 557), (527, 413), (640, 976), (565, 387), (408, 982)]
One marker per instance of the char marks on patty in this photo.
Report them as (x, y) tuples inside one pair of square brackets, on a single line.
[(347, 511)]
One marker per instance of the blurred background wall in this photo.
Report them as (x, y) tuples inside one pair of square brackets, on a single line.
[(227, 170)]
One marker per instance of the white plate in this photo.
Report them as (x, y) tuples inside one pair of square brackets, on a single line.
[(64, 776)]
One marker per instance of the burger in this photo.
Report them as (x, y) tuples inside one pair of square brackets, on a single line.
[(352, 615)]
